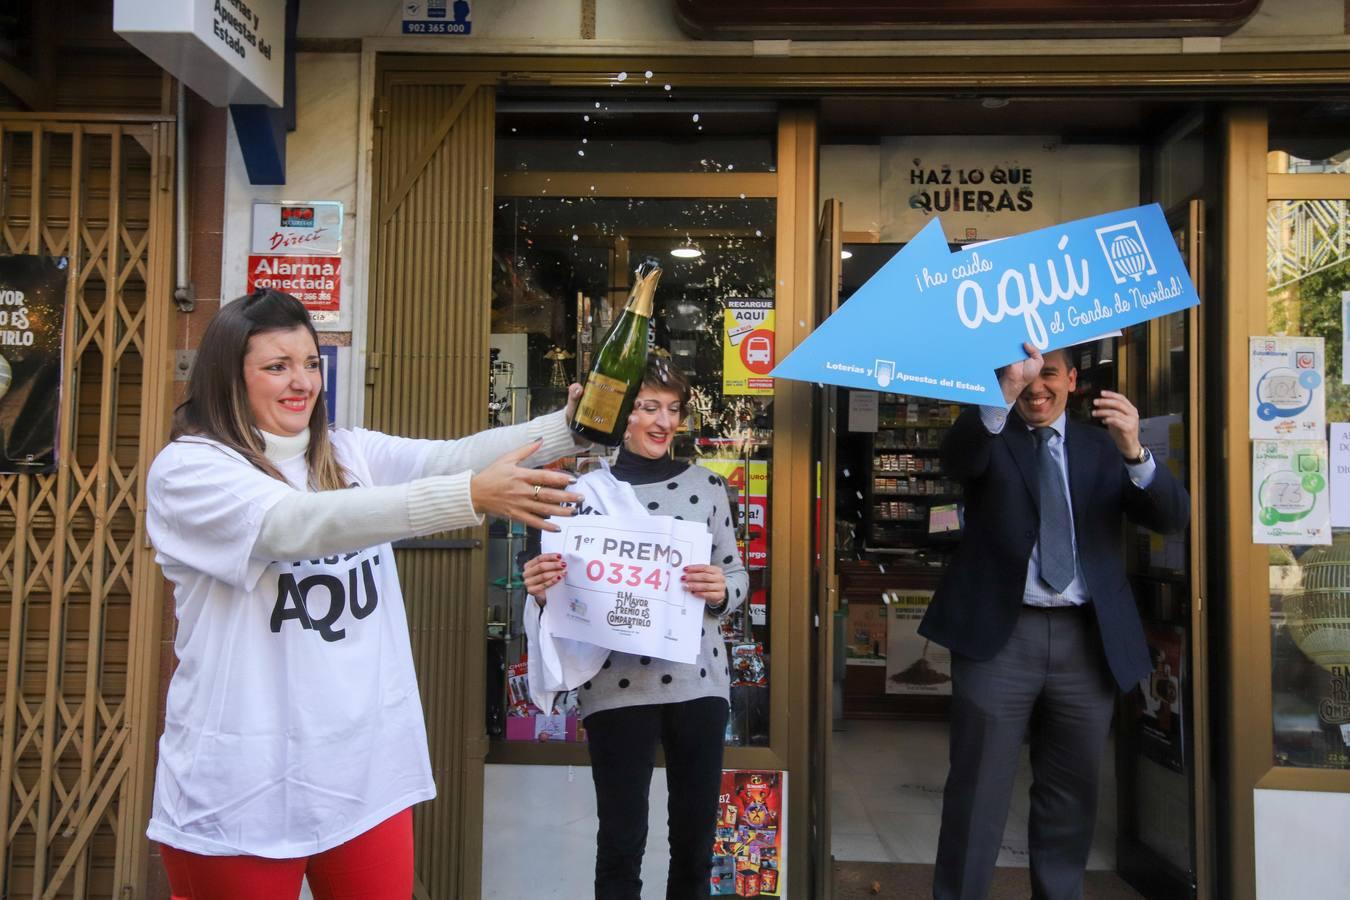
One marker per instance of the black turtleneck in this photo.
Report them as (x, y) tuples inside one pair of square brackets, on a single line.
[(635, 469)]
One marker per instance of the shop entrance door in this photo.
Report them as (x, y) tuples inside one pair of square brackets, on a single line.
[(1161, 749), (829, 244)]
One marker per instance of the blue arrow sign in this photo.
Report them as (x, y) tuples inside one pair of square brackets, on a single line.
[(937, 324)]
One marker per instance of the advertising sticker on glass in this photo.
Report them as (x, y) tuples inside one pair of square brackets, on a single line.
[(32, 320)]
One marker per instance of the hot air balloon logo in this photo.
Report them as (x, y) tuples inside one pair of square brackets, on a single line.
[(1126, 252)]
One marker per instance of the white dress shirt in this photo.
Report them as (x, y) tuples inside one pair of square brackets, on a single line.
[(1037, 592)]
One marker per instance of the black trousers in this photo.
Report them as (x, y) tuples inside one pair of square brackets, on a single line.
[(623, 753)]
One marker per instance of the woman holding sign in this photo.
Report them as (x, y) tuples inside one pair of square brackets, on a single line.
[(294, 742), (636, 703)]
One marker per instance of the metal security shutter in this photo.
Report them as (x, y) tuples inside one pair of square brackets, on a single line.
[(427, 367), (80, 597)]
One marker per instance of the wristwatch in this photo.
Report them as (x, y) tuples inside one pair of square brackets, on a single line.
[(1139, 460)]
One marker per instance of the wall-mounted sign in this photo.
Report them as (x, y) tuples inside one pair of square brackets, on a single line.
[(449, 17), (298, 228), (227, 51), (296, 247), (933, 323), (32, 325), (315, 281)]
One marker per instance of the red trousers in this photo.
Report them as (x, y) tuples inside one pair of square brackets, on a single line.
[(374, 865)]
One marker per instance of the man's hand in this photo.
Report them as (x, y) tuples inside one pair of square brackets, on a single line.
[(1014, 378), (1121, 419), (573, 398)]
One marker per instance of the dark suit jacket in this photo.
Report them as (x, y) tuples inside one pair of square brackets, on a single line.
[(978, 601)]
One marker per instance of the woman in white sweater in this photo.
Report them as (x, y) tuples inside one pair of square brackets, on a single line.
[(294, 742)]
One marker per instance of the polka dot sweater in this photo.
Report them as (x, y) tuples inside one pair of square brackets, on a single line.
[(695, 495)]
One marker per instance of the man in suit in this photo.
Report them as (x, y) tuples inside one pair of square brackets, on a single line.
[(1038, 614)]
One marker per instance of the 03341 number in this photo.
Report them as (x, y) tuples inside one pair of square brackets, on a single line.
[(627, 576)]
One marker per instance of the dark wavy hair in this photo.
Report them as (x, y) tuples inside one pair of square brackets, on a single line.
[(217, 400)]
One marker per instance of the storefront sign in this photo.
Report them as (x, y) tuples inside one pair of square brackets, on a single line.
[(448, 17), (752, 505), (750, 845), (622, 589), (32, 327), (914, 664), (747, 347), (933, 323), (869, 20), (1289, 493), (227, 51), (1288, 397), (989, 187)]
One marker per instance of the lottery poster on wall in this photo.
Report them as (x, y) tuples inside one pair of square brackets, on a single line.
[(749, 858), (1290, 502), (32, 328), (1288, 387), (914, 664), (747, 347), (751, 503)]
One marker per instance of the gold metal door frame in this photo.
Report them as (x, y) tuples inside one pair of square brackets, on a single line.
[(80, 634), (1250, 741)]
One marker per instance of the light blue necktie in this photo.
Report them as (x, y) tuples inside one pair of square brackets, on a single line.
[(1056, 538)]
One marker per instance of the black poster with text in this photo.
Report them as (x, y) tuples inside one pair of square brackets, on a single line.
[(32, 320)]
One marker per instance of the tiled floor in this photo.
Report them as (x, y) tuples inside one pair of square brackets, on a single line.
[(887, 797)]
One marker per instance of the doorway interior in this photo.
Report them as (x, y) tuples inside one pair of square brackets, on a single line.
[(991, 167)]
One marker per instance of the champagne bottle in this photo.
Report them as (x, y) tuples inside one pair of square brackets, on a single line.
[(621, 360)]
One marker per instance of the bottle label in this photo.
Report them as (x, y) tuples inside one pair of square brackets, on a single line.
[(601, 401)]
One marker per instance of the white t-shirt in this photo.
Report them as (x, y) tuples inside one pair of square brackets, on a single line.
[(293, 721)]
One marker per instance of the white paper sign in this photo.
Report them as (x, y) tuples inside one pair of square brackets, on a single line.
[(1288, 389), (862, 410), (622, 590), (1345, 336), (1340, 475), (299, 228), (1289, 493)]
